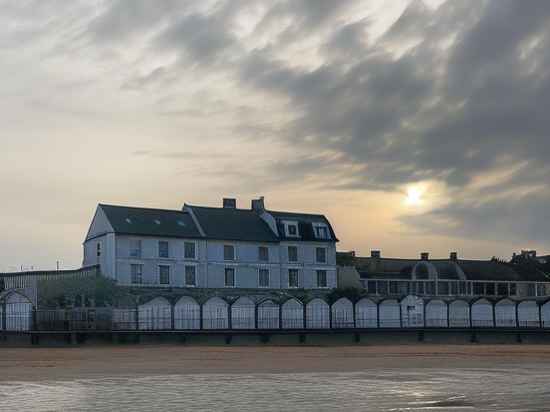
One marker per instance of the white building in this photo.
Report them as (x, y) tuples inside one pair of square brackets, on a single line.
[(212, 247)]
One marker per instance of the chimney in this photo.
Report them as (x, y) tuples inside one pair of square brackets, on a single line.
[(258, 205), (229, 203), (453, 256), (425, 256), (376, 254)]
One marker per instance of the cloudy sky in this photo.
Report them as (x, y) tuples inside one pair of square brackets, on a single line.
[(413, 125)]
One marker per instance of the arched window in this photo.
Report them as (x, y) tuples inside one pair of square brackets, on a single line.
[(215, 314), (342, 314), (293, 314), (366, 314), (268, 315), (505, 313), (482, 314), (243, 314), (459, 314), (155, 315), (317, 314), (187, 314), (412, 312), (436, 314)]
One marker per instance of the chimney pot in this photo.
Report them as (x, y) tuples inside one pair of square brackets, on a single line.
[(454, 256), (229, 203), (425, 256), (375, 254), (258, 205)]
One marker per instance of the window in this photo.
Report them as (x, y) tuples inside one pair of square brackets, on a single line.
[(190, 276), (263, 278), (229, 277), (190, 250), (291, 229), (228, 252), (293, 275), (321, 232), (321, 278), (98, 249), (321, 255), (136, 272), (163, 249), (164, 275), (293, 254), (263, 253), (135, 248)]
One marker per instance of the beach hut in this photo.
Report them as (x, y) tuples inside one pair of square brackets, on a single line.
[(412, 312), (436, 314), (292, 314), (366, 314), (482, 314), (268, 315), (389, 312), (505, 314), (124, 319), (155, 314), (528, 314), (187, 314), (18, 312), (243, 314), (317, 314), (545, 314), (215, 314), (459, 314), (342, 314)]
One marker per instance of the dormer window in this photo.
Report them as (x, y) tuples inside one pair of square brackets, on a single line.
[(321, 231), (291, 229)]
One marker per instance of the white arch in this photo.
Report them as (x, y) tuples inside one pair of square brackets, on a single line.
[(243, 314), (545, 314), (528, 314), (317, 314), (436, 314), (366, 314), (292, 314), (505, 313), (342, 314), (459, 314), (482, 314), (18, 312), (187, 314), (389, 313), (268, 315), (215, 314), (412, 312), (155, 314)]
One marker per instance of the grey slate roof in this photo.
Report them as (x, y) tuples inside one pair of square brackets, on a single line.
[(305, 227), (233, 224), (150, 222)]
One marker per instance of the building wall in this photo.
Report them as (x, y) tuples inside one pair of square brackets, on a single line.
[(106, 260)]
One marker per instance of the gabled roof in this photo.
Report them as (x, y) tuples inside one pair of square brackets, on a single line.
[(233, 224), (305, 225), (150, 222)]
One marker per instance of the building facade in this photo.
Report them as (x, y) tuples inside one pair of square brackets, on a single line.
[(209, 247)]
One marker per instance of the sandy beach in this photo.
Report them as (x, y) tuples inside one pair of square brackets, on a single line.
[(24, 364)]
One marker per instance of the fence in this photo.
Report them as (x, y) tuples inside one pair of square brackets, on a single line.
[(244, 314)]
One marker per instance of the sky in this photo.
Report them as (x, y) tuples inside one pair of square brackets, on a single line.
[(414, 126)]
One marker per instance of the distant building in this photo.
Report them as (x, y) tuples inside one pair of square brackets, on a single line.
[(212, 247)]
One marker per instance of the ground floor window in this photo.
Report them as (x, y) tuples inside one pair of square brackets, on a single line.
[(164, 275), (263, 278), (190, 276), (321, 278), (293, 275), (229, 277), (136, 272)]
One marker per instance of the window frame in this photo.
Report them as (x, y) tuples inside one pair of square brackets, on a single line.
[(234, 277), (324, 226), (288, 254), (98, 249), (132, 266), (326, 255), (260, 248), (317, 273), (132, 249), (297, 278), (195, 249), (188, 285), (287, 224), (234, 252), (167, 249), (160, 274), (260, 277)]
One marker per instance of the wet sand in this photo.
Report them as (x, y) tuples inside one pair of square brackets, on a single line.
[(32, 364)]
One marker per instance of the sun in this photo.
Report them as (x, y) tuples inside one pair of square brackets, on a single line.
[(414, 196)]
